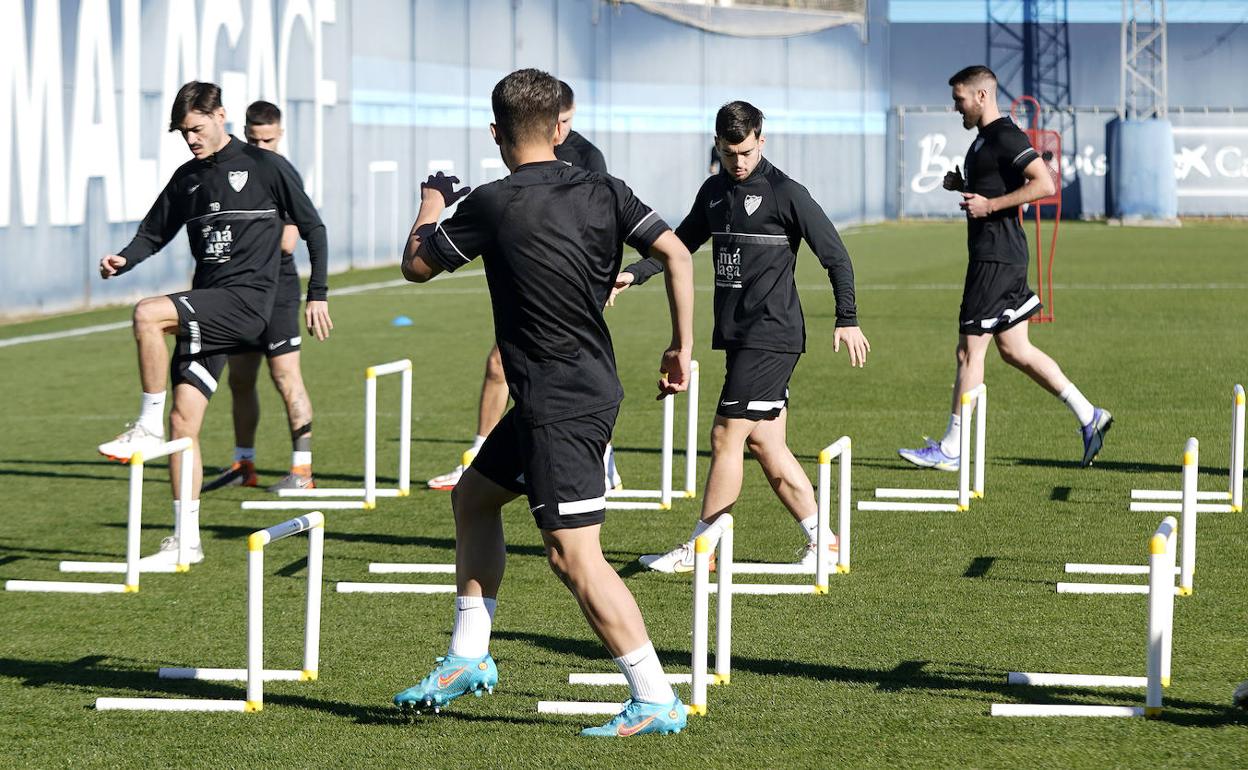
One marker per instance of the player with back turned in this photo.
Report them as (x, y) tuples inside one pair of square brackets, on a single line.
[(551, 238), (231, 199), (1003, 172)]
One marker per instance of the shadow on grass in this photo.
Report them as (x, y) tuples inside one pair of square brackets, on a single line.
[(1113, 465), (910, 675), (87, 673)]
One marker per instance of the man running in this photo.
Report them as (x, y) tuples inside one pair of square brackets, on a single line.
[(231, 198), (549, 278), (756, 218), (1003, 172), (281, 344)]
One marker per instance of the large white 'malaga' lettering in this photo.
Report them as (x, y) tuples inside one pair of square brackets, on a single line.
[(104, 141)]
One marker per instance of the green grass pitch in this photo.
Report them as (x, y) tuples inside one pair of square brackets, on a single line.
[(896, 667)]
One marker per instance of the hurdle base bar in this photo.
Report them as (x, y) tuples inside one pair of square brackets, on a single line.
[(394, 568), (605, 680), (1038, 710), (1175, 494), (773, 568), (175, 704), (68, 587), (1110, 569), (340, 492), (918, 494), (1149, 507), (625, 505), (117, 567), (892, 505), (393, 588), (236, 674), (307, 505), (1104, 588), (1076, 680), (770, 589)]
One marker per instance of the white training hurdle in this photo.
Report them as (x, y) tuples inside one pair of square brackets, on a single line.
[(396, 568), (974, 405), (620, 499), (719, 534), (255, 674), (370, 491), (1187, 539), (1165, 500), (134, 527), (821, 568), (1161, 549)]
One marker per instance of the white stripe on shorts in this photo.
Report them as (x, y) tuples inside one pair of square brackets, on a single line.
[(764, 406), (201, 374), (1010, 314), (583, 506)]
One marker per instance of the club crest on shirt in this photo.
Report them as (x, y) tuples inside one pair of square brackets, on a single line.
[(238, 180), (752, 202)]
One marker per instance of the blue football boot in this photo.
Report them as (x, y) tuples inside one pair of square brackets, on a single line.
[(930, 456), (1094, 435), (452, 677), (641, 718)]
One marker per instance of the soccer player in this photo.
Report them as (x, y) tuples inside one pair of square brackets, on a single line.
[(1003, 172), (551, 237), (281, 344), (231, 198), (756, 218), (574, 149)]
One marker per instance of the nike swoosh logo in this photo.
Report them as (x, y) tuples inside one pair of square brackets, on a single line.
[(626, 731), (276, 345), (728, 403), (193, 189), (716, 203), (186, 302), (535, 509), (444, 680)]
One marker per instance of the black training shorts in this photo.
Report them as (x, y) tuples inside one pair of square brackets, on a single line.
[(282, 335), (558, 465), (756, 383), (212, 323), (995, 298)]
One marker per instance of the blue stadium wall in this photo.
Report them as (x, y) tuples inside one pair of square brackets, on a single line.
[(377, 93), (1208, 97)]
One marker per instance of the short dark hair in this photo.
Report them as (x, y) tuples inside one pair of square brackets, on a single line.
[(263, 113), (195, 96), (526, 106), (567, 99), (737, 120), (974, 74)]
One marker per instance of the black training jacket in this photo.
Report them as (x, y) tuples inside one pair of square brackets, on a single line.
[(233, 205), (756, 227)]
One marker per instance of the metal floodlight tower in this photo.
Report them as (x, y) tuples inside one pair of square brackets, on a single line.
[(1029, 49), (1143, 86)]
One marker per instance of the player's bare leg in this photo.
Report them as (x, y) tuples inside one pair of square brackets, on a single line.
[(153, 319), (244, 370), (490, 409), (768, 442), (288, 378), (185, 421), (943, 454), (1016, 349)]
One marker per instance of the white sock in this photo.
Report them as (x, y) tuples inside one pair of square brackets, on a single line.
[(1082, 407), (698, 530), (152, 413), (244, 453), (298, 459), (186, 522), (949, 444), (477, 442), (811, 526), (471, 636), (644, 675)]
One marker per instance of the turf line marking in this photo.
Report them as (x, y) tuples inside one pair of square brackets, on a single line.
[(84, 330)]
